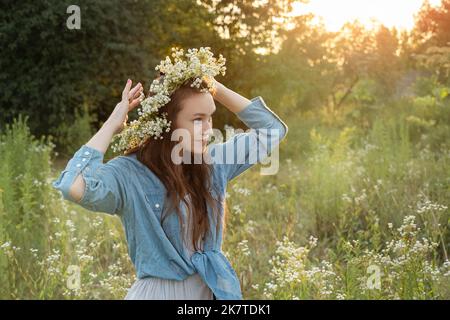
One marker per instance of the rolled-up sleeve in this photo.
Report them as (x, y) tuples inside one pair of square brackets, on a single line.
[(244, 150), (104, 184)]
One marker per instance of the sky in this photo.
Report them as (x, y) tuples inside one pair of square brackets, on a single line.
[(398, 13)]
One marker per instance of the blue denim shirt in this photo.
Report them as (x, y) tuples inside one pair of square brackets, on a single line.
[(127, 188)]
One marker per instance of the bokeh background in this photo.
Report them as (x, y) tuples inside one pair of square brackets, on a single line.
[(359, 207)]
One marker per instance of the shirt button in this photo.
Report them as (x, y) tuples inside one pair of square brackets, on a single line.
[(157, 205), (86, 153), (84, 159), (78, 165)]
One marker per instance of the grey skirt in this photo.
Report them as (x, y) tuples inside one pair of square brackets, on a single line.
[(191, 288)]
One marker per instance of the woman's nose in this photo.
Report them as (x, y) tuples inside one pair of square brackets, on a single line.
[(208, 129)]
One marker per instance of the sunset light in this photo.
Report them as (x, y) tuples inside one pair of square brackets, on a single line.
[(397, 13)]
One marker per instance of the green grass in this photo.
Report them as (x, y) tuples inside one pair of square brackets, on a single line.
[(358, 210)]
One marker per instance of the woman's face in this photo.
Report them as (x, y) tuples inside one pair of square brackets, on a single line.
[(195, 118)]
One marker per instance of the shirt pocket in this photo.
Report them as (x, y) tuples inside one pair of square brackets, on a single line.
[(155, 199)]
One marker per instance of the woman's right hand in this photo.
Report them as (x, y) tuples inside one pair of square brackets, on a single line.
[(115, 123), (130, 100)]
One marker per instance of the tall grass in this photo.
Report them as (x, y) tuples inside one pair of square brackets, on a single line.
[(355, 212), (334, 218), (45, 241)]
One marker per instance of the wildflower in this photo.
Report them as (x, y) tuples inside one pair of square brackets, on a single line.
[(346, 198), (426, 205), (243, 191), (97, 222), (312, 241), (237, 209), (243, 247), (250, 227), (85, 257), (5, 245), (70, 225)]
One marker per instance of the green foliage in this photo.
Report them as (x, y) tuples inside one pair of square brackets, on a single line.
[(364, 93), (363, 177), (42, 241), (49, 71), (428, 113), (25, 165), (70, 136), (348, 189), (402, 269)]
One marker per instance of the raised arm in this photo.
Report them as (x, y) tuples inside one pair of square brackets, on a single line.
[(233, 101), (86, 180), (244, 150)]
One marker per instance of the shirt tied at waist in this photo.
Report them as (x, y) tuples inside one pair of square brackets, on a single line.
[(214, 268)]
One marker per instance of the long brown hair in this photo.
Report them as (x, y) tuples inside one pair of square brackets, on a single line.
[(181, 180)]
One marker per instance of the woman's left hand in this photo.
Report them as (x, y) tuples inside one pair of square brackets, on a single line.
[(218, 87)]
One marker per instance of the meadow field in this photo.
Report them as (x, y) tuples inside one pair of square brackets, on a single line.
[(359, 208), (355, 212)]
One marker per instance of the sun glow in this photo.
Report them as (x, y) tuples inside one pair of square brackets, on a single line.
[(391, 13)]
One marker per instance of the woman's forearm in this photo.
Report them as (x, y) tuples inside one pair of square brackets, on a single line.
[(102, 139), (233, 101)]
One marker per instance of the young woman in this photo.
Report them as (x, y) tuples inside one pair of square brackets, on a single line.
[(173, 213)]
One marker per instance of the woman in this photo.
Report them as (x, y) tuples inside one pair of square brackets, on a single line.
[(173, 213)]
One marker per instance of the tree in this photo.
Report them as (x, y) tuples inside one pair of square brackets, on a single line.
[(48, 71), (432, 40), (353, 51)]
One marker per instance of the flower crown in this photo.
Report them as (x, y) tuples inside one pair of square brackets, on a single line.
[(196, 64)]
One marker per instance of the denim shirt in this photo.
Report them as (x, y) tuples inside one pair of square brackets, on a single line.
[(127, 188)]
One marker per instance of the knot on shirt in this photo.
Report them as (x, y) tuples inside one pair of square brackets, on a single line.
[(217, 272)]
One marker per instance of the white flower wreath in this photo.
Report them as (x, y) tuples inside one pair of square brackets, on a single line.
[(197, 65)]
